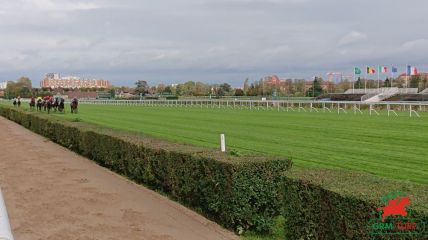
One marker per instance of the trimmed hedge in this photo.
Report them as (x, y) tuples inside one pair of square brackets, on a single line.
[(240, 193), (332, 204)]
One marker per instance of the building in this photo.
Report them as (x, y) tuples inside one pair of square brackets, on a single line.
[(273, 80), (54, 80), (3, 85)]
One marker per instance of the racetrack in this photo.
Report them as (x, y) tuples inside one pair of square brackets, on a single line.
[(52, 193)]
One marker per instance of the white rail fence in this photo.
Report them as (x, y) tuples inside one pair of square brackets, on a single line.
[(280, 105), (412, 108)]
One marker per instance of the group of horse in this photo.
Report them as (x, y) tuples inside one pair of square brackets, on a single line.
[(48, 104)]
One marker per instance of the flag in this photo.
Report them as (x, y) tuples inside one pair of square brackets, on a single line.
[(411, 71), (357, 71), (394, 69), (383, 69), (371, 70)]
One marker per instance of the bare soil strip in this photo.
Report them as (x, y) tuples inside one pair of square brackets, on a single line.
[(53, 193)]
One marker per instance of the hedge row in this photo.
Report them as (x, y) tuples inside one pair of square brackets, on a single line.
[(332, 204), (238, 192)]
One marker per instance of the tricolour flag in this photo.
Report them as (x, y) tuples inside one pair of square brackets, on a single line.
[(371, 70), (384, 69), (357, 71), (411, 71), (394, 69)]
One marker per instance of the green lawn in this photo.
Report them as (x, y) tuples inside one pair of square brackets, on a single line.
[(395, 147)]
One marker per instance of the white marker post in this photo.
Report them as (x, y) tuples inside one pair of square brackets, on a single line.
[(5, 232), (222, 143)]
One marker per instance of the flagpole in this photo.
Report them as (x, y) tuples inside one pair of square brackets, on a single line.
[(365, 81), (353, 83), (378, 77), (407, 76)]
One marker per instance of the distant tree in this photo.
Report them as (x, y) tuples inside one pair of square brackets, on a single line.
[(112, 92), (246, 86), (316, 89), (358, 84), (252, 90), (387, 83), (225, 88), (142, 87), (299, 86), (200, 89), (424, 82), (414, 81), (24, 82), (21, 87), (160, 88), (289, 88), (239, 92), (168, 89)]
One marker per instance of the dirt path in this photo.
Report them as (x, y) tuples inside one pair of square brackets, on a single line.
[(52, 193)]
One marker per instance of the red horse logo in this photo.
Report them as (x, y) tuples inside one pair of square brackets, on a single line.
[(395, 206)]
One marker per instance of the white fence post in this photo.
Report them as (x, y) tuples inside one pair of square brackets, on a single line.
[(222, 143)]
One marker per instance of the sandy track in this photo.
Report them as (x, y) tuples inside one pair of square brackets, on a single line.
[(52, 193)]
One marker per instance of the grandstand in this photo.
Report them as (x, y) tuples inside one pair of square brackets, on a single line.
[(378, 95)]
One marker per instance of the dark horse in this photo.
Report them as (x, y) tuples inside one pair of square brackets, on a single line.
[(61, 105), (39, 104), (55, 104), (32, 104), (45, 104), (49, 105), (74, 105)]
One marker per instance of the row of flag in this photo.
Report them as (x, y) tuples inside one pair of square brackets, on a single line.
[(411, 70)]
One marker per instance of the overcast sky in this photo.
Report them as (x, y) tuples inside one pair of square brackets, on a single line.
[(213, 41)]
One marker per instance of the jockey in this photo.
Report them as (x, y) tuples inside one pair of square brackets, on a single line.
[(75, 100)]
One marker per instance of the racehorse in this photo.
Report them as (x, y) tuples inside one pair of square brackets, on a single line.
[(74, 105), (39, 104), (49, 104), (32, 103), (61, 105), (14, 102), (19, 101), (55, 104)]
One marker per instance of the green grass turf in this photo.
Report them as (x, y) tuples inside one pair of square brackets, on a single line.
[(395, 147)]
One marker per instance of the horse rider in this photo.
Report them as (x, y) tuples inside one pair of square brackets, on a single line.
[(32, 102), (75, 101), (19, 101)]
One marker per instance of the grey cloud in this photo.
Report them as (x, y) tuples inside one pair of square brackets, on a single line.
[(207, 40)]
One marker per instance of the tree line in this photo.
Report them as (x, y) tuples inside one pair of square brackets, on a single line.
[(291, 87)]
